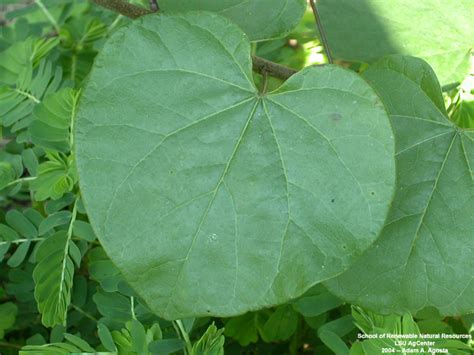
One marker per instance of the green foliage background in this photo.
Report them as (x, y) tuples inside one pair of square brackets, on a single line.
[(59, 292)]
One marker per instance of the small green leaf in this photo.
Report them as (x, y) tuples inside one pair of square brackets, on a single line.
[(34, 216), (375, 324), (21, 284), (36, 339), (50, 349), (56, 177), (81, 344), (19, 255), (21, 54), (243, 328), (53, 117), (8, 312), (102, 270), (80, 290), (166, 346), (7, 233), (84, 231), (331, 334), (30, 161), (281, 325), (154, 332), (358, 349), (15, 161), (57, 333), (7, 174), (463, 116), (82, 32), (340, 326), (211, 342), (53, 276), (114, 307), (314, 305), (78, 37), (20, 223), (138, 336), (17, 103), (106, 337), (75, 253), (54, 220), (52, 206), (4, 246), (333, 342)]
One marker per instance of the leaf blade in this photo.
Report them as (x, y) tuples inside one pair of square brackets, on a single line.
[(229, 151), (429, 224)]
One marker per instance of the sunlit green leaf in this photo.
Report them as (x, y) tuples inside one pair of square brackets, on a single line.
[(366, 30)]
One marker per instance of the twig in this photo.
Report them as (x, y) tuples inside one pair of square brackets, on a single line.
[(123, 8), (449, 87), (260, 65), (321, 31), (20, 180), (184, 335), (66, 252), (19, 241), (48, 15), (265, 83), (84, 313), (154, 7), (10, 345), (115, 23), (132, 307)]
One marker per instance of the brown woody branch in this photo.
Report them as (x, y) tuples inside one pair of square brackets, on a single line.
[(154, 7), (263, 66), (260, 65), (123, 8)]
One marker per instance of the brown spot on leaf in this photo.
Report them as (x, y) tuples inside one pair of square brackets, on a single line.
[(336, 117)]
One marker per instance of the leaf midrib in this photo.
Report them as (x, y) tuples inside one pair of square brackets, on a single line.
[(285, 173), (211, 201)]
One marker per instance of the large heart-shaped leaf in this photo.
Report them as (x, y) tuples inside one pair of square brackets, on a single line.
[(423, 257), (260, 19), (212, 198), (366, 30)]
